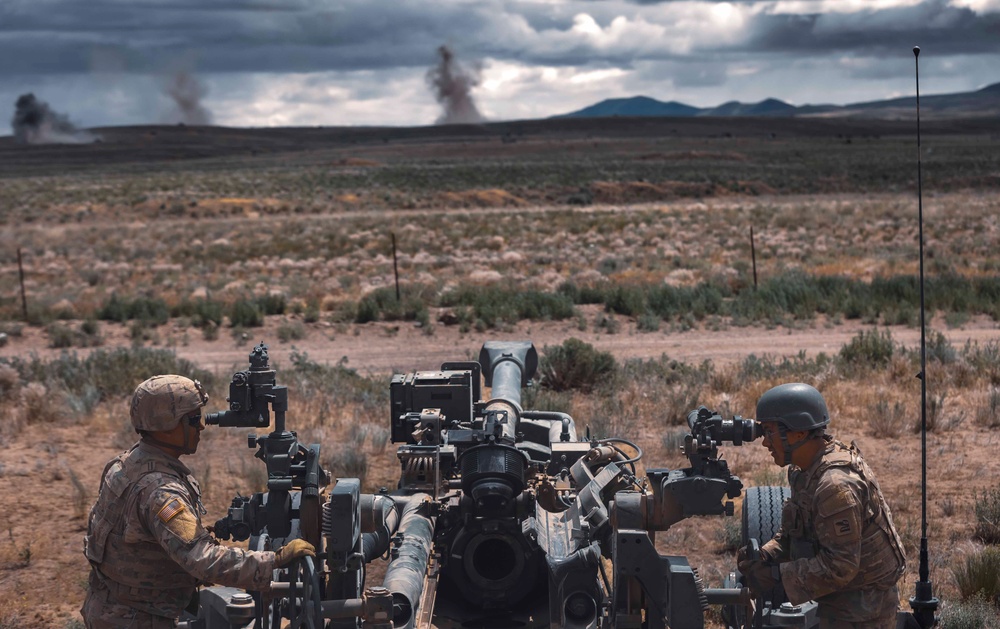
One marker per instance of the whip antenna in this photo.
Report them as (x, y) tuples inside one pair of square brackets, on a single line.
[(923, 602)]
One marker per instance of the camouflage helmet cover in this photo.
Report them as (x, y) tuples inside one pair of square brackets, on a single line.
[(795, 405), (162, 401)]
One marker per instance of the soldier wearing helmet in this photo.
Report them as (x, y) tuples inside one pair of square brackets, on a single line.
[(145, 542), (836, 544)]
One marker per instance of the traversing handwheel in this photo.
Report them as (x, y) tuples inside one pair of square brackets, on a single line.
[(305, 600)]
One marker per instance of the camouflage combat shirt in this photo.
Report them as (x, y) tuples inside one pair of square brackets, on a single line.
[(146, 543), (837, 544)]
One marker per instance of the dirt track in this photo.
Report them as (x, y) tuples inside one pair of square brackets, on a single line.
[(384, 348)]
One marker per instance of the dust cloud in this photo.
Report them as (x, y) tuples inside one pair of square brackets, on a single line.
[(186, 93), (452, 86), (35, 122)]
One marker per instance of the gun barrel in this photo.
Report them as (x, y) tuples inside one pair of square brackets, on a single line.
[(507, 367), (405, 575)]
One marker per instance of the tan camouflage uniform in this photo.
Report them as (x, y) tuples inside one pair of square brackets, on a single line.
[(837, 544), (148, 549)]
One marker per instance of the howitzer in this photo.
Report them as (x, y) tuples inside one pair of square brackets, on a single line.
[(502, 517)]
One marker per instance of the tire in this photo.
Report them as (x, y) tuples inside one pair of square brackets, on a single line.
[(761, 520), (762, 512)]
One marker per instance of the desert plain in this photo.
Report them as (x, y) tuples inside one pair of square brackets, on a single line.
[(181, 247)]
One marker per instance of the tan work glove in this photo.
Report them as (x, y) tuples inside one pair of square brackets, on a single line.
[(293, 550)]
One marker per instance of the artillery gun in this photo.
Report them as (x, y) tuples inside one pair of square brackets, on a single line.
[(502, 517)]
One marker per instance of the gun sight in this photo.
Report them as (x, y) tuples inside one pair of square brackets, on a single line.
[(710, 424)]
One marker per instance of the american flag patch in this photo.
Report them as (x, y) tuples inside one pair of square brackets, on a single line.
[(170, 510)]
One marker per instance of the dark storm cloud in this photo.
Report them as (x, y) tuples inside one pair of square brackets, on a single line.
[(318, 35), (934, 25), (228, 35)]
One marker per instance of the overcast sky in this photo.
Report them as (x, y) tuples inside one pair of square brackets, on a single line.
[(365, 62)]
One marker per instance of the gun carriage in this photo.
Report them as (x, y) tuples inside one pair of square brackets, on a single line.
[(502, 517)]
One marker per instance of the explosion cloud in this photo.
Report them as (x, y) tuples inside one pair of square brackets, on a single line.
[(452, 85), (186, 92), (34, 122)]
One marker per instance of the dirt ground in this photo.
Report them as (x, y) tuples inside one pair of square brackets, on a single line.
[(50, 472)]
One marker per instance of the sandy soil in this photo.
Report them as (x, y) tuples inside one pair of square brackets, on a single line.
[(386, 348)]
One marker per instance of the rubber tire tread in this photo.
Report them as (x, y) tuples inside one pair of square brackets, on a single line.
[(761, 520), (762, 512)]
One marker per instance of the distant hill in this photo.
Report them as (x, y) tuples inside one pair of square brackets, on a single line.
[(635, 106), (983, 102)]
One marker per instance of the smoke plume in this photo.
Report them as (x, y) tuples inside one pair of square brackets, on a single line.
[(186, 92), (452, 85), (34, 122)]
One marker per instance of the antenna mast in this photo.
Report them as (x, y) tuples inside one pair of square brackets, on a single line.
[(923, 602)]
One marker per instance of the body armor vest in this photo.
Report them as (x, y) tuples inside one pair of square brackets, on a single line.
[(882, 557), (127, 559)]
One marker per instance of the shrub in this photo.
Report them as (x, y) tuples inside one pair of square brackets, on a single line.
[(886, 421), (979, 575), (539, 399), (988, 516), (10, 383), (203, 312), (102, 375), (673, 439), (291, 331), (974, 613), (40, 406), (495, 305), (575, 365), (939, 348), (607, 323), (89, 334), (626, 300), (869, 348), (382, 305), (337, 384), (60, 335), (648, 323), (271, 304), (210, 332), (148, 309), (799, 368), (988, 414), (984, 359), (348, 463), (730, 535), (244, 313), (140, 331)]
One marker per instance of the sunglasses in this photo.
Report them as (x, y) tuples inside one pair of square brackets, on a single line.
[(196, 421)]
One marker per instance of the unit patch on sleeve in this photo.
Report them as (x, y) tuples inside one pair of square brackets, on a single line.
[(843, 526), (170, 510)]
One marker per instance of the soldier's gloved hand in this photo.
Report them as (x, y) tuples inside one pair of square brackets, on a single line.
[(743, 556), (769, 552), (293, 550), (760, 575)]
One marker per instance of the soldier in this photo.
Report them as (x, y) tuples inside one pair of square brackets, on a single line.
[(145, 542), (836, 544)]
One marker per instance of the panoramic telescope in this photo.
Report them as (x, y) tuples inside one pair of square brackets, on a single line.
[(502, 516)]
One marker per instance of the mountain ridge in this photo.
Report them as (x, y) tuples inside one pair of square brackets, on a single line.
[(982, 102)]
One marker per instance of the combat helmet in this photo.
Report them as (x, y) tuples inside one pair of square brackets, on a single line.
[(160, 402), (794, 406)]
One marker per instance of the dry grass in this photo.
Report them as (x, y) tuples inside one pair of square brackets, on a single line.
[(332, 259)]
